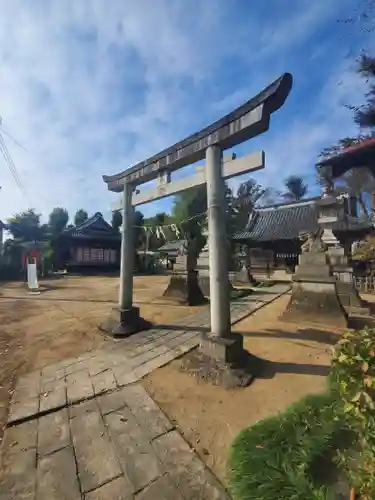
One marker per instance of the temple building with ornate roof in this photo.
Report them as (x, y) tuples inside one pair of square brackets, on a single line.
[(93, 244), (271, 238)]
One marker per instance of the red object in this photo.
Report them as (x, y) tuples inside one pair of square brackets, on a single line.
[(30, 253), (363, 144)]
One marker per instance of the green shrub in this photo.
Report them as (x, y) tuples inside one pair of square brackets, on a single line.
[(277, 458), (318, 442), (353, 382)]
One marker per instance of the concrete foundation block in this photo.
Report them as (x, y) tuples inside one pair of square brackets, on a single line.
[(125, 322), (184, 289), (223, 349), (315, 302)]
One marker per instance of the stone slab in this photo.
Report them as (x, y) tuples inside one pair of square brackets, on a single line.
[(109, 403), (27, 387), (117, 489), (53, 395), (23, 410), (183, 337), (186, 347), (150, 354), (79, 386), (95, 455), (80, 410), (53, 432), (153, 364), (189, 474), (146, 411), (161, 489), (137, 457), (57, 477), (18, 462), (196, 481), (172, 449), (99, 365), (124, 376), (103, 382)]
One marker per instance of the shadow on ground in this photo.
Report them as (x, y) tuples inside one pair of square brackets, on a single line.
[(266, 369), (311, 334)]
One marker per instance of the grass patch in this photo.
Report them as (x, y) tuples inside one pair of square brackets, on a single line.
[(322, 445), (281, 457)]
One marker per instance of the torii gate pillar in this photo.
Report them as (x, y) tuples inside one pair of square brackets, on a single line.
[(220, 343), (125, 320)]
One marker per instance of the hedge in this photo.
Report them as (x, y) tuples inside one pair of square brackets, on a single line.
[(321, 444)]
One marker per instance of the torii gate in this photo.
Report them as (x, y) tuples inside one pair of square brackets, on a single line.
[(245, 122)]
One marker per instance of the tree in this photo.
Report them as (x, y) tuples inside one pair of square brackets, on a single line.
[(26, 226), (160, 218), (364, 116), (248, 195), (296, 187), (80, 217), (189, 211), (139, 234), (116, 220), (58, 219), (359, 181)]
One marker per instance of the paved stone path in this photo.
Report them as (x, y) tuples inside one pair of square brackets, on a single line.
[(84, 428)]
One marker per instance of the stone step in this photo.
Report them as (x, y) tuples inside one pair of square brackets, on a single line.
[(358, 311), (362, 321)]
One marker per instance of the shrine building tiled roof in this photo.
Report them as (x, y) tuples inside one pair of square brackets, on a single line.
[(286, 221), (94, 228)]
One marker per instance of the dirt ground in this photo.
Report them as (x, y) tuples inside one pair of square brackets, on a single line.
[(63, 321), (210, 417)]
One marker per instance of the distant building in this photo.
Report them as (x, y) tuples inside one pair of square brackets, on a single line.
[(271, 242), (93, 244)]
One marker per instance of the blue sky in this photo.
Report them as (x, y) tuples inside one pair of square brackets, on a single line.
[(91, 87)]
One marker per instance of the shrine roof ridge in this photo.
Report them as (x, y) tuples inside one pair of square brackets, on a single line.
[(94, 226), (221, 132), (285, 222)]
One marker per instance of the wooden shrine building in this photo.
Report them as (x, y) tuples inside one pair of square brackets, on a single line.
[(92, 245), (270, 241)]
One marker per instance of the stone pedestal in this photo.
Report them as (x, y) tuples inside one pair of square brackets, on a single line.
[(222, 349), (204, 284), (347, 293), (125, 322), (244, 276), (184, 289), (222, 361), (314, 296)]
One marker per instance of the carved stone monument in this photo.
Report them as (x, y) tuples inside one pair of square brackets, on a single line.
[(203, 267), (314, 298), (183, 287), (331, 211)]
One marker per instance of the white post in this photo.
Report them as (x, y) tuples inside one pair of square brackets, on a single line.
[(217, 244), (127, 250)]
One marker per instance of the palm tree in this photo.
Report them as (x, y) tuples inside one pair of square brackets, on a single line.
[(296, 187)]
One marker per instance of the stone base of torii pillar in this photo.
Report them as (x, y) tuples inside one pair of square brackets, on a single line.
[(124, 322)]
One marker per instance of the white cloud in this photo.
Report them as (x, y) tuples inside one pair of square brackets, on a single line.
[(91, 87)]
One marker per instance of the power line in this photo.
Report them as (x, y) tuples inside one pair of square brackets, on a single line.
[(12, 168), (9, 135)]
